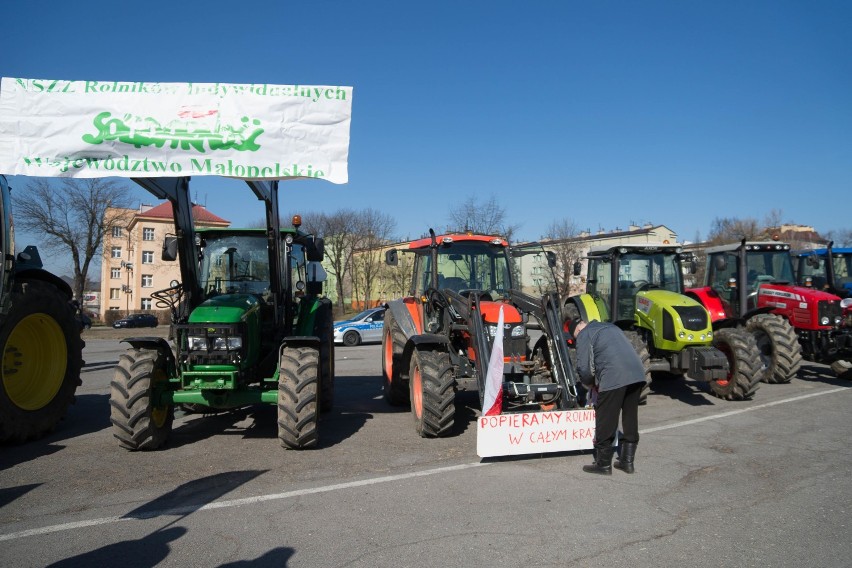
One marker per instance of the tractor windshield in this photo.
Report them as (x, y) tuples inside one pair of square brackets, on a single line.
[(234, 264), (769, 266), (634, 272), (465, 266)]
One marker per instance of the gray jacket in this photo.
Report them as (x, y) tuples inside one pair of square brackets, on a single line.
[(606, 358)]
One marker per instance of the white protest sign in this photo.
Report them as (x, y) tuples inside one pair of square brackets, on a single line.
[(535, 432), (94, 129)]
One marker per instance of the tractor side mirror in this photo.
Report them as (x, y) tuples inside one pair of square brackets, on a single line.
[(578, 268), (551, 258), (316, 250), (720, 263), (813, 261), (692, 266), (170, 246), (392, 257)]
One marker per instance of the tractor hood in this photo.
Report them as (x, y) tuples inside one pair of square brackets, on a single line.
[(227, 308), (674, 319), (784, 292)]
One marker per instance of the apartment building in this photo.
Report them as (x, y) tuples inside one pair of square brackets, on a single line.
[(131, 268)]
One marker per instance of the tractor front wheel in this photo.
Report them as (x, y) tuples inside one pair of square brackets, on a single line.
[(136, 422), (744, 366), (298, 375), (432, 393), (780, 350), (41, 360)]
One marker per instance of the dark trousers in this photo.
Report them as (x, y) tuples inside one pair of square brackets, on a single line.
[(623, 401)]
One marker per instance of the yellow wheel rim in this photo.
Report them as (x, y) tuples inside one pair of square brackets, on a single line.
[(35, 358)]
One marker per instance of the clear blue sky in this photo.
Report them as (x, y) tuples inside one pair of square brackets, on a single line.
[(669, 112)]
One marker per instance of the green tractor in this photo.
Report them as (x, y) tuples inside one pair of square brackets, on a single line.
[(639, 287), (248, 327)]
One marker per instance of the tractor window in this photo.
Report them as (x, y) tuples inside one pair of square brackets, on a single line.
[(600, 279), (842, 268), (466, 266), (234, 264), (774, 266), (816, 274), (720, 278)]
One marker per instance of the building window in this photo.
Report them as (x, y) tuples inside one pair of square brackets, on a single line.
[(115, 252), (146, 303), (147, 257), (148, 234), (116, 232), (115, 273), (113, 293), (147, 280), (114, 308)]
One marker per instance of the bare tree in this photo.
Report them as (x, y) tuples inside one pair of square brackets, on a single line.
[(487, 217), (731, 229), (562, 238), (841, 238), (71, 217), (339, 232), (374, 230)]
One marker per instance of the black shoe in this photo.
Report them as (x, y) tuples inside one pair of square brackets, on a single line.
[(598, 468), (603, 461), (626, 455)]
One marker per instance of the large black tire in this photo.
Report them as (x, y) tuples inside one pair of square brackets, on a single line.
[(325, 331), (642, 351), (745, 367), (779, 347), (42, 355), (298, 374), (136, 422), (432, 393), (393, 343)]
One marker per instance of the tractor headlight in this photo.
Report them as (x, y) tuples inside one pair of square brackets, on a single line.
[(846, 303), (824, 320), (230, 343), (517, 331), (227, 343), (837, 320)]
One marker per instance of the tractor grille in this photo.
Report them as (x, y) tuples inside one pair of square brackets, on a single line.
[(694, 318), (830, 309)]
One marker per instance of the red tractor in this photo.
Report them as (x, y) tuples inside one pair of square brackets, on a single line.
[(438, 339), (754, 282)]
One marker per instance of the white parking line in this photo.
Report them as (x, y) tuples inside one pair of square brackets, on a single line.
[(364, 482)]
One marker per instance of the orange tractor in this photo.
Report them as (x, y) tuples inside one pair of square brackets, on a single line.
[(439, 338)]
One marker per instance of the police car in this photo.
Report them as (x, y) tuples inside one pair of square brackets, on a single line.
[(363, 328)]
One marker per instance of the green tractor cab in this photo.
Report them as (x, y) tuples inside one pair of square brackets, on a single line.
[(640, 289)]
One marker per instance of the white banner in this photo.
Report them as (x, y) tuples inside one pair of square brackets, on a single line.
[(535, 432), (93, 129)]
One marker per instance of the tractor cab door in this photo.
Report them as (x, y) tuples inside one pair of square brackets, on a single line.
[(722, 277)]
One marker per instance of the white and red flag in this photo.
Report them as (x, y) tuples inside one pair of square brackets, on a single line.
[(493, 401)]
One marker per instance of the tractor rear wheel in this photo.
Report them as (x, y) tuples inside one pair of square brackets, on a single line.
[(136, 422), (393, 342), (432, 393), (41, 360), (779, 347), (298, 374), (745, 368), (642, 351)]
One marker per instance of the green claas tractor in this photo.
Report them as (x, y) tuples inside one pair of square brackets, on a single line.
[(248, 326), (639, 287)]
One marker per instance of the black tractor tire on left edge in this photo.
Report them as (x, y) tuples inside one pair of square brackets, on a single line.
[(645, 357), (393, 342), (432, 393), (779, 347), (136, 422), (42, 353), (298, 400), (746, 369)]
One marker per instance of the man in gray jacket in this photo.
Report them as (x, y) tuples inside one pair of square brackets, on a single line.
[(609, 366)]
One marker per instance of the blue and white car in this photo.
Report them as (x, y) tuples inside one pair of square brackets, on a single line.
[(365, 327)]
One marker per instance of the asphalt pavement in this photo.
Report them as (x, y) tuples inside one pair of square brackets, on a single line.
[(757, 483)]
